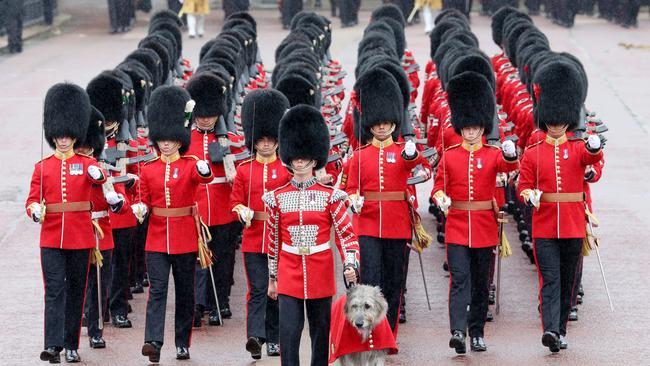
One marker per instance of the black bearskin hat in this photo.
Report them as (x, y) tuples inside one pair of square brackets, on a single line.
[(106, 93), (210, 94), (304, 134), (298, 90), (558, 90), (167, 118), (498, 20), (66, 112), (390, 11), (96, 134), (380, 100), (471, 101), (261, 113)]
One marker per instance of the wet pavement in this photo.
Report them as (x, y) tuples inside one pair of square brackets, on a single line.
[(619, 90)]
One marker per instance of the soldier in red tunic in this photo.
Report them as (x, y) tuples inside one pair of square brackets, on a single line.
[(302, 214), (105, 198), (169, 186), (464, 190), (552, 180), (108, 95), (60, 200), (377, 175), (207, 139), (261, 113)]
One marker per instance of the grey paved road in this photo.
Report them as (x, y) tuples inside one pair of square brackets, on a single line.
[(619, 92)]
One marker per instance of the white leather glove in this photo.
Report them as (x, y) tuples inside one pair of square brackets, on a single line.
[(94, 172), (36, 214), (409, 148), (246, 215), (356, 204), (203, 167), (443, 202), (593, 142), (509, 149), (139, 209), (112, 198), (533, 196)]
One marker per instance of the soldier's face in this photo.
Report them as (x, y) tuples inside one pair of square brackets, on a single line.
[(472, 134), (64, 144), (556, 131), (205, 123), (168, 148), (302, 166), (266, 146), (383, 130)]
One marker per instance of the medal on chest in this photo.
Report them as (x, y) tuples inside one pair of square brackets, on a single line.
[(390, 157), (175, 174), (274, 174), (566, 154), (479, 163), (76, 169)]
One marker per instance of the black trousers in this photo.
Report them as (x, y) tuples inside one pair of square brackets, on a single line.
[(64, 274), (557, 260), (292, 321), (12, 13), (262, 311), (48, 11), (577, 282), (92, 308), (123, 239), (382, 264), (223, 246), (289, 9), (233, 6), (533, 5), (469, 270), (136, 267), (349, 10), (182, 267)]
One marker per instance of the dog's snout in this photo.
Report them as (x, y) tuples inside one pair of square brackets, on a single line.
[(358, 324)]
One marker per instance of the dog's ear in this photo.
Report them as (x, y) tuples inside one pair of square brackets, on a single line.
[(381, 300)]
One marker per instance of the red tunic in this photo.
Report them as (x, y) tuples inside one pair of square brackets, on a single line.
[(466, 175), (345, 339), (257, 177), (214, 197), (383, 169), (64, 179), (302, 215), (557, 166), (171, 184)]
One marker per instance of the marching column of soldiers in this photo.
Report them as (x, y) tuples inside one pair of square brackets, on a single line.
[(159, 168)]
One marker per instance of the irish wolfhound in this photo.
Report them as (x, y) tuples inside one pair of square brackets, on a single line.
[(365, 309)]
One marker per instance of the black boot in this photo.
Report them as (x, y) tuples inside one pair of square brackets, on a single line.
[(51, 354), (551, 340), (457, 342), (97, 342), (120, 321), (478, 344), (152, 350), (71, 356), (182, 353), (254, 346)]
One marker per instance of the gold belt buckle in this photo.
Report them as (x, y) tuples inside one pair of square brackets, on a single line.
[(304, 250)]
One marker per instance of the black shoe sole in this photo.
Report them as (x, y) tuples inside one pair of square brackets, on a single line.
[(45, 356), (183, 357), (150, 351), (255, 348), (97, 346), (552, 342), (457, 345), (478, 349)]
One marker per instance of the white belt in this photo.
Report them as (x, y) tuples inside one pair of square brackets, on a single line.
[(99, 214), (305, 250), (219, 180)]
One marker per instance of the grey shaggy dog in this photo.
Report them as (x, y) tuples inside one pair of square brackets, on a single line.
[(365, 308)]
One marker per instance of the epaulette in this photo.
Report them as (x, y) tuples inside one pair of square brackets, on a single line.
[(452, 147), (362, 147), (269, 199), (534, 144), (45, 158), (246, 161), (338, 195)]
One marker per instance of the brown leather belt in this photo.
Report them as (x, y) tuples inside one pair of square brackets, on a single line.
[(68, 207), (385, 196), (471, 205), (175, 212), (563, 197), (260, 216)]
